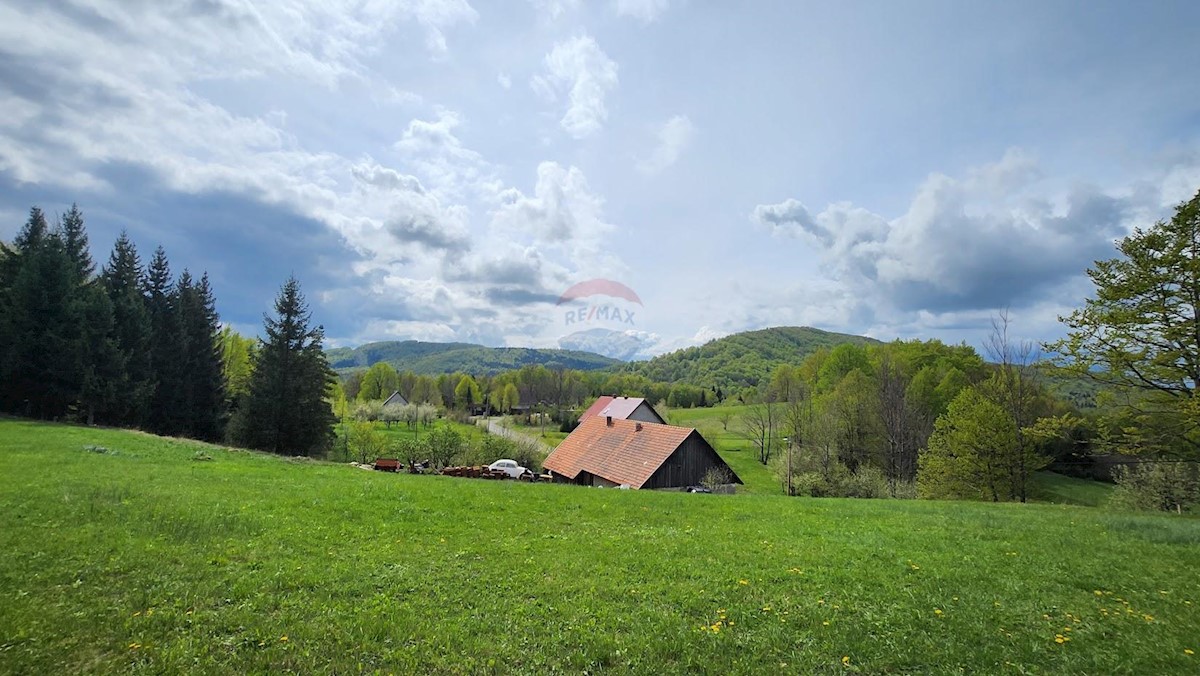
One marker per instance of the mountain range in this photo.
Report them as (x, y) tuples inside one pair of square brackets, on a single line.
[(736, 360)]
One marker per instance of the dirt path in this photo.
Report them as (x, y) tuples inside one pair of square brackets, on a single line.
[(495, 427)]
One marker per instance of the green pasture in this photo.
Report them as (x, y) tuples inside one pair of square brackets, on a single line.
[(152, 555)]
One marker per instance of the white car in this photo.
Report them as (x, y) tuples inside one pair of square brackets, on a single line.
[(509, 467)]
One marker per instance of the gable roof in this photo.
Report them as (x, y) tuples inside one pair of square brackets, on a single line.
[(396, 399), (627, 452), (620, 408)]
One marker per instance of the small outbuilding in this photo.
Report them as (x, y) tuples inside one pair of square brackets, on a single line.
[(396, 399), (623, 408), (608, 451)]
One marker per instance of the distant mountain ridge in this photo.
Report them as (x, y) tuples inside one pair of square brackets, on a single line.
[(740, 359), (435, 358)]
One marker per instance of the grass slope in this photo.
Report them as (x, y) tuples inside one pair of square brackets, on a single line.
[(148, 561), (740, 359), (436, 358)]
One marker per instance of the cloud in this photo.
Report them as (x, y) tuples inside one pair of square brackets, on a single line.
[(994, 238), (581, 70), (673, 138), (562, 212), (645, 11), (552, 10), (432, 148), (504, 80)]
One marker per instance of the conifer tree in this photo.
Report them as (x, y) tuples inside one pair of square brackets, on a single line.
[(42, 371), (166, 341), (286, 411), (102, 374), (201, 381), (123, 278)]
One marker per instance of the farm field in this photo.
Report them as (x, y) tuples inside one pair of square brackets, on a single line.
[(170, 556)]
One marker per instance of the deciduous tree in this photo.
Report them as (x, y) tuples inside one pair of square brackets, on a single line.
[(1140, 333)]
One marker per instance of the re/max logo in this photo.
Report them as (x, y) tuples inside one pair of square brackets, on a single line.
[(599, 313)]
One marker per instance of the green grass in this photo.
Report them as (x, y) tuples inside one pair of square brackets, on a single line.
[(146, 560), (741, 455), (1064, 490)]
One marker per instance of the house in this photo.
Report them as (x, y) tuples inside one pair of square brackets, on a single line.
[(609, 451), (396, 399), (623, 408)]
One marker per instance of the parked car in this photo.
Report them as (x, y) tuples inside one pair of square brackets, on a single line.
[(511, 468), (699, 489)]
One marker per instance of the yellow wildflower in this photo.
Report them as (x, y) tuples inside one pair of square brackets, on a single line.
[(1188, 651), (283, 638), (743, 582), (937, 611), (845, 660)]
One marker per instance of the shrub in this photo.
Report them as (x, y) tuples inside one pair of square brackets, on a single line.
[(1157, 486), (715, 478), (528, 453)]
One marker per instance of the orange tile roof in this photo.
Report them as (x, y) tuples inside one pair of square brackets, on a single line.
[(617, 407), (622, 453)]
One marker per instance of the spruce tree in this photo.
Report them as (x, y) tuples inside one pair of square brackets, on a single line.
[(286, 411), (75, 244), (202, 382), (42, 373), (123, 278), (166, 341), (102, 366)]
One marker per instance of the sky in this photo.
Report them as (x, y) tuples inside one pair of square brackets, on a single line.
[(445, 170)]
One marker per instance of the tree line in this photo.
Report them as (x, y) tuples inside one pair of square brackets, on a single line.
[(137, 346)]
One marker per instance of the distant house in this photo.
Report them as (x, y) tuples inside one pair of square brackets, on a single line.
[(608, 451), (623, 408), (395, 400)]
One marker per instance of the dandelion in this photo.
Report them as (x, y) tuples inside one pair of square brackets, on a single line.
[(1098, 593), (825, 623), (743, 582), (766, 609), (1060, 639), (283, 638), (937, 611), (1188, 651), (845, 660), (1148, 618)]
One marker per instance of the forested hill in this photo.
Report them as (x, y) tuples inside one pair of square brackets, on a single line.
[(740, 359), (435, 358)]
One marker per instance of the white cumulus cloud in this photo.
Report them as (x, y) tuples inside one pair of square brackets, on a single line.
[(580, 70)]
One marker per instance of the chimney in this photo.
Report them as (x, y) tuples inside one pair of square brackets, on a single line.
[(608, 420), (637, 427)]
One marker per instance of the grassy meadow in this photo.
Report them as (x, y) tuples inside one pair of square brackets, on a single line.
[(169, 556)]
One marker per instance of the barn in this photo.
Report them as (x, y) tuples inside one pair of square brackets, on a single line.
[(623, 408), (608, 451)]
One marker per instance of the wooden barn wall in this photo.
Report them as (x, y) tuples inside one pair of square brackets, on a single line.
[(686, 466)]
